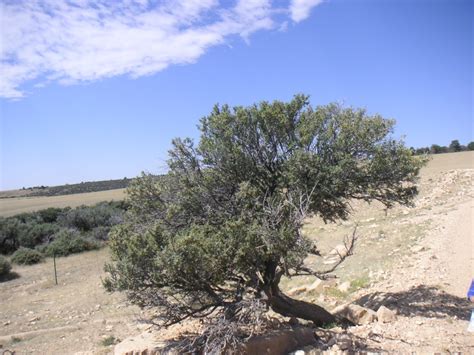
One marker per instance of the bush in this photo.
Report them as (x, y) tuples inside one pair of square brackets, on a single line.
[(9, 230), (33, 234), (100, 233), (68, 242), (5, 266), (50, 215), (86, 218), (27, 256)]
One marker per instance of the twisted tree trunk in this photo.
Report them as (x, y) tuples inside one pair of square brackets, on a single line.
[(289, 307)]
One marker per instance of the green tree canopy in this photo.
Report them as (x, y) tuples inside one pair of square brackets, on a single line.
[(222, 227), (455, 146)]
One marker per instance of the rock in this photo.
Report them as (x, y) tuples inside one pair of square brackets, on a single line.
[(356, 314), (297, 290), (344, 287), (331, 342), (344, 341), (417, 248), (385, 315), (335, 348)]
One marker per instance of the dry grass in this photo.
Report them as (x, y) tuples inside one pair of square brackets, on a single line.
[(16, 205), (76, 315)]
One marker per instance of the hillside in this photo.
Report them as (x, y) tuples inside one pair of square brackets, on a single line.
[(417, 261), (68, 189)]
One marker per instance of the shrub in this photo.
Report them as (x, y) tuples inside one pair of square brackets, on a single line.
[(110, 340), (87, 218), (5, 267), (68, 242), (50, 215), (9, 231), (33, 234), (100, 233), (27, 256)]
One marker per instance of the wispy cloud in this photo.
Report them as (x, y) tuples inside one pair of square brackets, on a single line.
[(301, 9), (71, 41)]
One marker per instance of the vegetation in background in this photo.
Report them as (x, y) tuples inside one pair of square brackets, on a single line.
[(68, 189), (453, 147), (69, 241), (5, 267), (110, 340), (27, 256), (214, 237), (58, 230)]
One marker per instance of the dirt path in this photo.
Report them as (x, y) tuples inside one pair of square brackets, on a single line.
[(456, 253)]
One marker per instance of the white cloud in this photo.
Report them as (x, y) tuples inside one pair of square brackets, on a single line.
[(301, 9), (72, 41)]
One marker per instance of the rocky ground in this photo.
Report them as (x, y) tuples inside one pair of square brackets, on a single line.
[(417, 262), (426, 285)]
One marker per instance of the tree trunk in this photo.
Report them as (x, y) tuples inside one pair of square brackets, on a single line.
[(290, 307)]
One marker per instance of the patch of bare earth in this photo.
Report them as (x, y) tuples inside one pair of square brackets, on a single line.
[(37, 316)]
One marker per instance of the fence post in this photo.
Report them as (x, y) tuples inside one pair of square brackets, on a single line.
[(55, 273)]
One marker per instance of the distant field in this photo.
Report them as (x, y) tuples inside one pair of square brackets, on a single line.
[(16, 205), (68, 189)]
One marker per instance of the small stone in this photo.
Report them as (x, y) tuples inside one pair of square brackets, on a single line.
[(417, 248), (344, 341), (331, 342), (385, 315), (356, 314)]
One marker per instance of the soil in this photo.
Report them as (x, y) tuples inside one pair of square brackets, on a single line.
[(416, 261)]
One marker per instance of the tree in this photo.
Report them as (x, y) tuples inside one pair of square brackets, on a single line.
[(470, 146), (435, 149), (217, 233), (455, 146), (423, 150)]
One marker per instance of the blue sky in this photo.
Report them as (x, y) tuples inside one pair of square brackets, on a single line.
[(98, 92)]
